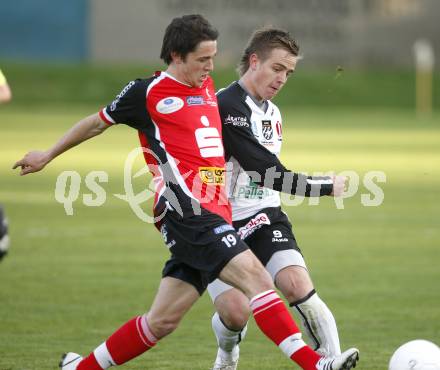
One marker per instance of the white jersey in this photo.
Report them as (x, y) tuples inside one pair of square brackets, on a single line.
[(252, 138), (246, 197)]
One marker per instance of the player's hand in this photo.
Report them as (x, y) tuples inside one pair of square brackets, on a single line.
[(32, 162), (339, 185)]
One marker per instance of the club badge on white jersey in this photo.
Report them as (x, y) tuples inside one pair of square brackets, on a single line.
[(239, 111)]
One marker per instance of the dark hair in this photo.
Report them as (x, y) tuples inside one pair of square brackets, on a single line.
[(262, 42), (184, 34)]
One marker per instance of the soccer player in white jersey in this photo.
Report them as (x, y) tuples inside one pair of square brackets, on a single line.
[(176, 115), (252, 135)]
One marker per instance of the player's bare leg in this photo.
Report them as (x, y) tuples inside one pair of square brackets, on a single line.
[(173, 299)]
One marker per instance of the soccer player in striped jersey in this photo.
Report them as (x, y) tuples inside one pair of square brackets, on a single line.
[(252, 135), (176, 115)]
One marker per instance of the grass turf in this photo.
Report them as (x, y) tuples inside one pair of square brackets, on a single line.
[(70, 281)]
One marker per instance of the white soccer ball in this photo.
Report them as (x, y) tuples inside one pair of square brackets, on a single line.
[(416, 355)]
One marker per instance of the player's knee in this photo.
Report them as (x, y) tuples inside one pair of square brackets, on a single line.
[(233, 308), (294, 290), (236, 315), (295, 285), (238, 319), (163, 325)]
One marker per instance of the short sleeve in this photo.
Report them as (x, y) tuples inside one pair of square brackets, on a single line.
[(129, 106)]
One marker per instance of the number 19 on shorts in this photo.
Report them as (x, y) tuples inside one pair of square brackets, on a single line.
[(229, 240)]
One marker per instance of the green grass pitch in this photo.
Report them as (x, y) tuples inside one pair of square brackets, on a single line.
[(70, 281)]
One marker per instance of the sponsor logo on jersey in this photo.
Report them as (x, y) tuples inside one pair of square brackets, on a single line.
[(212, 175), (254, 224), (195, 100), (253, 191), (169, 105), (267, 129), (223, 228), (236, 121)]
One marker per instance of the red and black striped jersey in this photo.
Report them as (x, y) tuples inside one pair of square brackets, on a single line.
[(179, 126)]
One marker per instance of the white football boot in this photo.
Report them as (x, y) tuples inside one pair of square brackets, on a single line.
[(70, 361), (345, 361), (229, 362)]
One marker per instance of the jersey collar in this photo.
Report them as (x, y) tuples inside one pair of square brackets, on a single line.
[(263, 106)]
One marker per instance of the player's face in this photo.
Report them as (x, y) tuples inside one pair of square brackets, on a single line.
[(271, 74), (198, 64)]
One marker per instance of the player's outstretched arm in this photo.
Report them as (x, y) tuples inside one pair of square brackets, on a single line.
[(266, 170), (85, 129)]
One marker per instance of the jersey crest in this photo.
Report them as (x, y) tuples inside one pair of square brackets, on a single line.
[(267, 129)]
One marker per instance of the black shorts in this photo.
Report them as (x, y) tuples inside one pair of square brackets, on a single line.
[(267, 232), (200, 247)]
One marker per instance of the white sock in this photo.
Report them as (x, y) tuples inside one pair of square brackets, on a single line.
[(103, 356), (227, 339), (318, 323)]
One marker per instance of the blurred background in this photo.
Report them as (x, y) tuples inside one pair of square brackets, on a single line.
[(371, 41), (365, 97)]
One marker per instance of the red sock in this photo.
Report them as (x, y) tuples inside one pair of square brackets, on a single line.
[(274, 320), (89, 363), (306, 357), (129, 341)]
